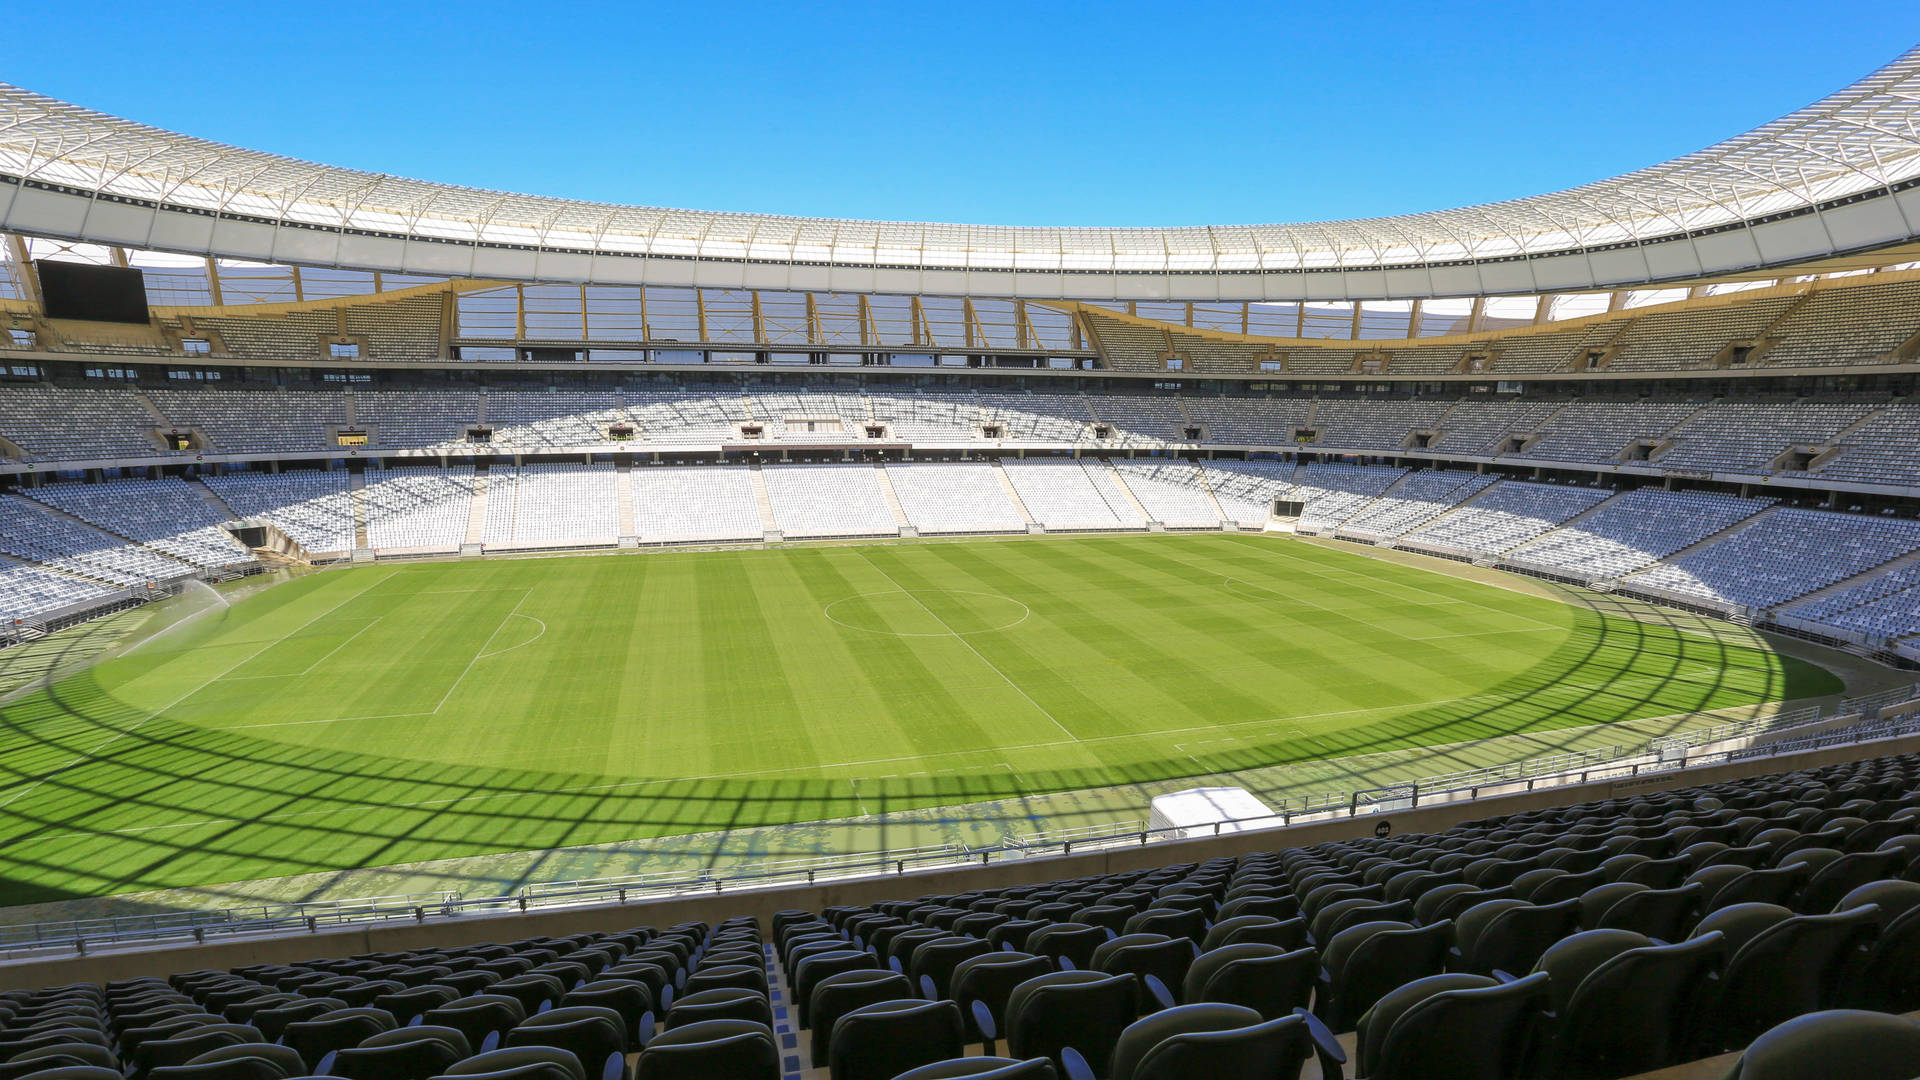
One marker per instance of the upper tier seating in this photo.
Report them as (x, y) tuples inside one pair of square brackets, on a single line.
[(417, 418), (1876, 441), (1634, 530), (1783, 555), (1884, 450), (169, 516), (56, 423), (1743, 437), (1601, 430), (1506, 517), (1588, 942), (257, 421), (310, 506), (963, 497)]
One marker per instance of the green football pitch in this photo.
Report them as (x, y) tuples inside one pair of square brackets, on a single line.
[(376, 715)]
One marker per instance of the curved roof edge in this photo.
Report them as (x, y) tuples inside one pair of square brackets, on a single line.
[(1839, 176)]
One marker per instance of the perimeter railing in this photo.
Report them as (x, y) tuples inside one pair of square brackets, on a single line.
[(1719, 744)]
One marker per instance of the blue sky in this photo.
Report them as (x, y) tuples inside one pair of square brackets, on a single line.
[(1080, 114)]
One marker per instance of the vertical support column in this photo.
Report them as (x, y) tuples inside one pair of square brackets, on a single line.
[(23, 271), (1299, 318), (213, 281), (519, 313), (1477, 315), (1413, 319), (814, 336), (869, 333), (700, 310), (1354, 333), (299, 287), (583, 313), (968, 317), (759, 324)]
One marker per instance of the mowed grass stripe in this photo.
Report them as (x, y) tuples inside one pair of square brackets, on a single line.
[(682, 692)]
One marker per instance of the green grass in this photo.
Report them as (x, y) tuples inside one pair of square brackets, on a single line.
[(385, 714)]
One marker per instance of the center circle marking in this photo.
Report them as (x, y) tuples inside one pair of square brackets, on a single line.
[(1025, 613)]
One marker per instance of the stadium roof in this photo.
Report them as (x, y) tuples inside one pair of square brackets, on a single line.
[(1839, 176)]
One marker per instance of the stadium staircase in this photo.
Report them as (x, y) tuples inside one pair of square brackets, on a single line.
[(1212, 499), (476, 514), (1664, 442), (893, 501), (212, 498), (1133, 500), (623, 495), (1847, 583), (1013, 495), (769, 525), (1721, 535), (357, 498), (152, 409)]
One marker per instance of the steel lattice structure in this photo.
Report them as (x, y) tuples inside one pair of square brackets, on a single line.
[(1839, 176)]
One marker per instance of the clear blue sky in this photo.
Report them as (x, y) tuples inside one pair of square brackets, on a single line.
[(1095, 114)]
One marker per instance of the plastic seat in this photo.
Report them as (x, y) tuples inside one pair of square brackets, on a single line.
[(1661, 914), (1452, 1027), (1082, 1009), (337, 1030), (837, 995), (629, 999), (1158, 960), (717, 976), (1841, 876), (982, 984), (1843, 1042), (1775, 886), (880, 1041), (534, 990), (1366, 961), (1203, 1042), (931, 967), (1512, 937), (240, 1061), (1263, 929), (1070, 944), (519, 1063), (409, 1053), (984, 1068), (720, 1003), (734, 1049), (482, 1018), (1265, 978), (1632, 1013), (596, 1036), (1789, 969)]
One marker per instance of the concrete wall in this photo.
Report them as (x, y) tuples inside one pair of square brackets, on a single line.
[(762, 903)]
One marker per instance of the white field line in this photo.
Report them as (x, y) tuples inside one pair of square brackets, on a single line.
[(118, 735), (522, 645), (308, 670), (1017, 688), (435, 711)]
